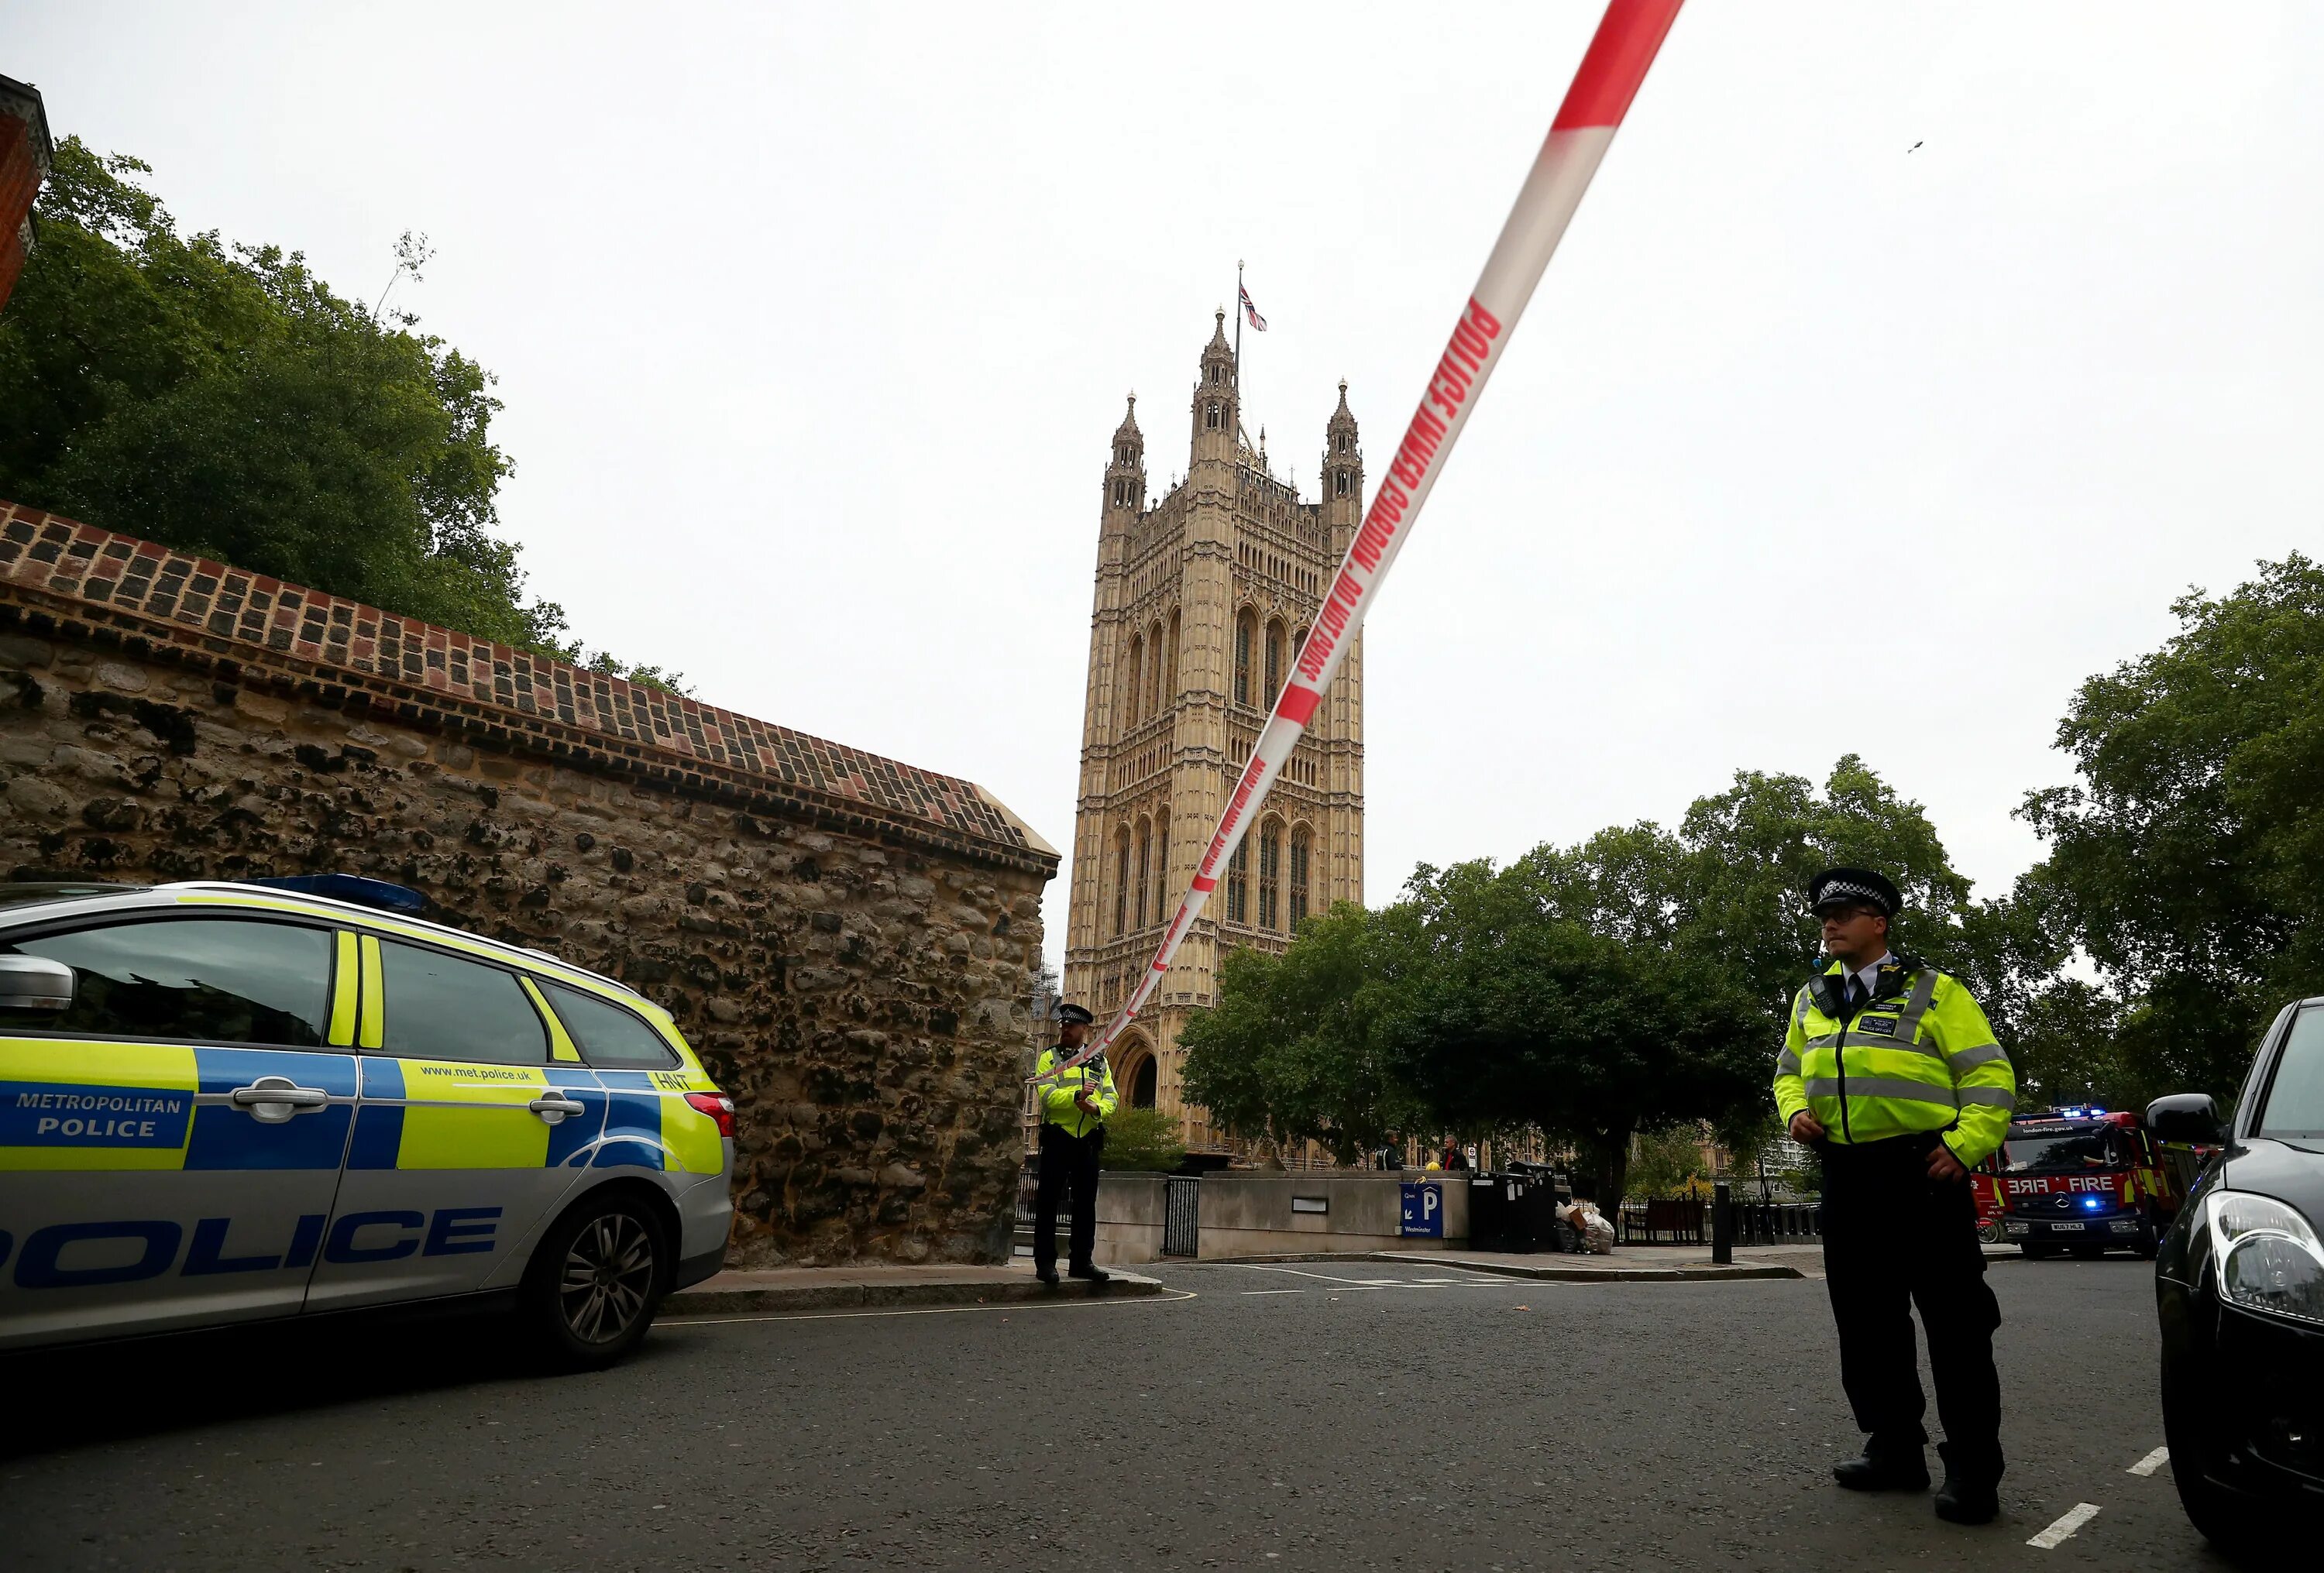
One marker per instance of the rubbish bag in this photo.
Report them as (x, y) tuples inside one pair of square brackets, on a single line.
[(1596, 1233)]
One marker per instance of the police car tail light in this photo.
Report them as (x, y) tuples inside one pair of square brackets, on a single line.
[(717, 1105), (2269, 1258)]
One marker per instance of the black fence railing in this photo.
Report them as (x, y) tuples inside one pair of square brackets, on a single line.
[(1687, 1220)]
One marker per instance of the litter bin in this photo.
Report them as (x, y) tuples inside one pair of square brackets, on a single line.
[(1489, 1213), (1510, 1211)]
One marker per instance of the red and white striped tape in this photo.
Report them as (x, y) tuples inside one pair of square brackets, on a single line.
[(1627, 39)]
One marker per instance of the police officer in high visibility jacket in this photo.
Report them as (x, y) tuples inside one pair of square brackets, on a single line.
[(1890, 1071), (1073, 1112)]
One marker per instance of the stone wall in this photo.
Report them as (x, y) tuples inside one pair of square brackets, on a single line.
[(849, 941)]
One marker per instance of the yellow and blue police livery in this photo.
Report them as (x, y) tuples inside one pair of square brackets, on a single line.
[(222, 1102)]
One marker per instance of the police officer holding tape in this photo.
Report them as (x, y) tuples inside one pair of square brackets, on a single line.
[(1075, 1108), (1891, 1073)]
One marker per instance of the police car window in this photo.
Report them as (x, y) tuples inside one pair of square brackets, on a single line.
[(208, 980), (441, 1008), (606, 1034), (2295, 1097)]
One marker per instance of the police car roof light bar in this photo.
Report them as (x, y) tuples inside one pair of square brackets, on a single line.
[(349, 888)]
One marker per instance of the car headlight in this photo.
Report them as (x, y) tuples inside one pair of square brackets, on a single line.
[(2268, 1257)]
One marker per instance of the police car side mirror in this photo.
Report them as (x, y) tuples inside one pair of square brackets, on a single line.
[(35, 983), (2185, 1117)]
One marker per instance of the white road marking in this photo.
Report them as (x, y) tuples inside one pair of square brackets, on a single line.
[(1167, 1297), (2151, 1463), (1378, 1283), (1271, 1291), (2058, 1533)]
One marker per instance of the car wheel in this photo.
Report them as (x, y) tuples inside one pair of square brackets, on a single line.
[(595, 1281), (2190, 1429), (1988, 1234)]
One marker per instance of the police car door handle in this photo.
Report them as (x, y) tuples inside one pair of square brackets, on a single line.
[(275, 1099), (554, 1107)]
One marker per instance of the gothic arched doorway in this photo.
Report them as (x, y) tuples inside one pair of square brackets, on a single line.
[(1139, 1077)]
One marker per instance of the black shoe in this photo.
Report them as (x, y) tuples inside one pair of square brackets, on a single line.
[(1967, 1501), (1048, 1273), (1884, 1467), (1094, 1274)]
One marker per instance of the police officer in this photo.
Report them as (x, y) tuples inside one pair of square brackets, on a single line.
[(1890, 1070), (1075, 1108)]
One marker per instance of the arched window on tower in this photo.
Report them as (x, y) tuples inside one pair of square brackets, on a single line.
[(1245, 629), (1163, 888), (1214, 416), (1239, 883), (1120, 880), (1339, 483), (1170, 660), (1301, 842), (1154, 664), (1145, 872), (1274, 663), (1271, 870), (1137, 679)]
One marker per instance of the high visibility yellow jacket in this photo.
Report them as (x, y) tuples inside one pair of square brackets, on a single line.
[(1058, 1105), (1919, 1055)]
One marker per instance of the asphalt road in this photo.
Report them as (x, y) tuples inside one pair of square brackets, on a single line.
[(1276, 1418)]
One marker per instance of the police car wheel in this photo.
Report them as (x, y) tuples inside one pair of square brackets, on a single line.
[(597, 1280)]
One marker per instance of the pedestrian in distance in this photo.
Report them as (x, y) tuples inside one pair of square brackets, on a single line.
[(1890, 1070), (1074, 1107)]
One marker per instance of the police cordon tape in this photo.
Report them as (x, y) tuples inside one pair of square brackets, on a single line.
[(1629, 37)]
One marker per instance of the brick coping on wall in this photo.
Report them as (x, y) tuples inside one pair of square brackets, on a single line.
[(251, 628)]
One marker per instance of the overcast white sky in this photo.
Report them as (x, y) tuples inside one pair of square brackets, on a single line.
[(813, 321)]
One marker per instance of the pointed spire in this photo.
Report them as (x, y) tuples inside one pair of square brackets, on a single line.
[(1128, 427), (1219, 334)]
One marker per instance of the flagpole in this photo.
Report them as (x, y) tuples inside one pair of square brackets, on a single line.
[(1238, 346)]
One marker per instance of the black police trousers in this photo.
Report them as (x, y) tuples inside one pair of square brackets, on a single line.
[(1893, 1237), (1068, 1162)]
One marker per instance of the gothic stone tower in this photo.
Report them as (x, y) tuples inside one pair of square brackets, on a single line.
[(1203, 598)]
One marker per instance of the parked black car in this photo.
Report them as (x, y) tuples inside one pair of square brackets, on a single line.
[(2239, 1284)]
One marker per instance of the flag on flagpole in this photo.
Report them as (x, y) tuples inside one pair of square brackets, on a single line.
[(1258, 323)]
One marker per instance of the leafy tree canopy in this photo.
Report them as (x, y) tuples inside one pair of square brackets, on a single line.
[(1293, 1050), (222, 400), (2188, 861), (1635, 981)]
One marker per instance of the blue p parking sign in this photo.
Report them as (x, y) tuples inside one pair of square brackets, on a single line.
[(1424, 1211)]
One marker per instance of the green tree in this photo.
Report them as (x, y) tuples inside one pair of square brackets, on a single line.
[(1522, 1014), (1141, 1138), (2187, 860), (222, 400), (1291, 1050)]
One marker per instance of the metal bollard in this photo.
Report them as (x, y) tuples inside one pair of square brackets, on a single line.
[(1722, 1224)]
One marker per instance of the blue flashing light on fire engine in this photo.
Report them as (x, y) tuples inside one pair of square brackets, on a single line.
[(2093, 1201)]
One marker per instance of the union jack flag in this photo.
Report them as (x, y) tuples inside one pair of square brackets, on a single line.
[(1249, 311)]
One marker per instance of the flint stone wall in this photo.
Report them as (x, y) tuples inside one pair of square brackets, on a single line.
[(849, 943)]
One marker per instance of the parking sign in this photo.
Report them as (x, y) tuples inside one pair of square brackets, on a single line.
[(1424, 1211)]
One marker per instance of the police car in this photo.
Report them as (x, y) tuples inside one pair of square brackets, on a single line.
[(223, 1102)]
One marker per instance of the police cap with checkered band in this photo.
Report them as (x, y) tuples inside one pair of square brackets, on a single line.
[(1853, 888)]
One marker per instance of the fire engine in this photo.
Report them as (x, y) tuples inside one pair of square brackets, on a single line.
[(2082, 1179)]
